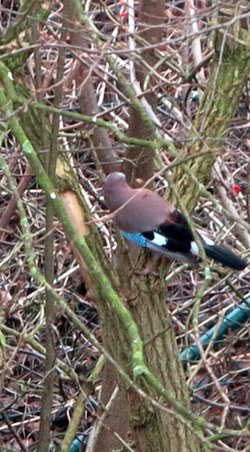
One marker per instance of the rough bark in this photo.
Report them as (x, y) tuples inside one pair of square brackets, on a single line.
[(140, 160), (117, 420), (82, 72), (153, 429)]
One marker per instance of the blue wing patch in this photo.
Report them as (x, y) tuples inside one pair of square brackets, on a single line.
[(137, 238)]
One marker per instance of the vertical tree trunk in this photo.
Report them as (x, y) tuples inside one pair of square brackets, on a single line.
[(154, 429), (140, 160)]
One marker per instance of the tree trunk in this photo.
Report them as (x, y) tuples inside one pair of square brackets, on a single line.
[(155, 429), (140, 160)]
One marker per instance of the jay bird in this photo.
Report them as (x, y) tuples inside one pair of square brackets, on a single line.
[(151, 222)]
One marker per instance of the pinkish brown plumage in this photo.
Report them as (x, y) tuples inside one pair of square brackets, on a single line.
[(151, 222), (143, 209)]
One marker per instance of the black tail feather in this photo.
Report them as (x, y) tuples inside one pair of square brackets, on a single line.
[(225, 257), (176, 255)]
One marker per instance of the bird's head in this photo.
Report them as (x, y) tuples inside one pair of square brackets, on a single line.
[(115, 177)]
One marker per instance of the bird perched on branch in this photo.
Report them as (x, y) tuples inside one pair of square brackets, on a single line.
[(151, 222)]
